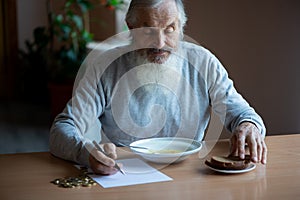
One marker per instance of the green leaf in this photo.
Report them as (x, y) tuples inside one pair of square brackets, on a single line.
[(58, 18), (87, 36), (66, 31), (84, 5), (69, 3), (115, 2), (69, 13), (78, 21)]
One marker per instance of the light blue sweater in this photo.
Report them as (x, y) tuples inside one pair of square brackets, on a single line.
[(135, 100)]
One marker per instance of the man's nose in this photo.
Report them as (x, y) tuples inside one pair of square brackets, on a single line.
[(159, 40)]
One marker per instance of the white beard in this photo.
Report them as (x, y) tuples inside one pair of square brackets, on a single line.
[(157, 74)]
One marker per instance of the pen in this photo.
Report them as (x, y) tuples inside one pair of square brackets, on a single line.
[(99, 148)]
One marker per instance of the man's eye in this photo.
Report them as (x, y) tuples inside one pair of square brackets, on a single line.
[(170, 29)]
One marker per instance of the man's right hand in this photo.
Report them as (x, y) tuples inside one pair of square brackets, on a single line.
[(101, 163)]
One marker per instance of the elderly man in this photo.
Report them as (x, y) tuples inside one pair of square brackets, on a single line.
[(157, 86)]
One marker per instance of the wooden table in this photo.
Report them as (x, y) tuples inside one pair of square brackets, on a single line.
[(28, 176)]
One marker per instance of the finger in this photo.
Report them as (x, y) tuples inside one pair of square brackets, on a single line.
[(102, 158), (99, 168), (264, 153), (259, 149), (241, 146), (253, 149), (110, 149)]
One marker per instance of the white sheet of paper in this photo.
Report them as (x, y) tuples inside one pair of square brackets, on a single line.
[(137, 172)]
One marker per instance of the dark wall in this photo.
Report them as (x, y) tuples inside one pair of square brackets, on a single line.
[(259, 44)]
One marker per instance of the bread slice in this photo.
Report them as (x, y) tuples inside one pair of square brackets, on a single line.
[(229, 163)]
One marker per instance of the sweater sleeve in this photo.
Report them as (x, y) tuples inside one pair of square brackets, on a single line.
[(67, 134), (226, 102)]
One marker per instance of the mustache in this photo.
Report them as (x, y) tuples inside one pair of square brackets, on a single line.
[(154, 50)]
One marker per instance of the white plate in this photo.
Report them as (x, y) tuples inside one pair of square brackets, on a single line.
[(250, 168), (166, 149)]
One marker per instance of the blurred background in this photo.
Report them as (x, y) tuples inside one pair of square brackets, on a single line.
[(257, 41)]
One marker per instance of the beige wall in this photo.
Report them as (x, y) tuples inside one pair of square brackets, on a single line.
[(259, 44), (30, 14)]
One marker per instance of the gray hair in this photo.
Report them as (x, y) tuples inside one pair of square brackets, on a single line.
[(131, 17)]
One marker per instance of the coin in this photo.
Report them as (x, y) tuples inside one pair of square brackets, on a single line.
[(75, 181)]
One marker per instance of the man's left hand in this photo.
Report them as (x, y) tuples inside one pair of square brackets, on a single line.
[(248, 133)]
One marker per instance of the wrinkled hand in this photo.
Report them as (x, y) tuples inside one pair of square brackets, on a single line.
[(248, 133), (102, 164)]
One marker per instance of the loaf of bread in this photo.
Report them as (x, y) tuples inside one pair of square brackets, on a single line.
[(229, 163)]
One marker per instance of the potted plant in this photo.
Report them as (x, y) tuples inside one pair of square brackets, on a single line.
[(32, 76), (67, 49), (58, 50)]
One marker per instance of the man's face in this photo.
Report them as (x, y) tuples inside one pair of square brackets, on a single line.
[(158, 32)]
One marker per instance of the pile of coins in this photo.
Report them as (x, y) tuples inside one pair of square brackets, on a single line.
[(71, 182)]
